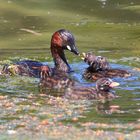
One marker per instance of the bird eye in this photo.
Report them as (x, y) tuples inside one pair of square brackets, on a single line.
[(107, 83), (99, 58)]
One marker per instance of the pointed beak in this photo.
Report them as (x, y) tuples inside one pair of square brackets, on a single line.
[(73, 49), (114, 84)]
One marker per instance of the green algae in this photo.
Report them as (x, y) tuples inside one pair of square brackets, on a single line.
[(110, 29)]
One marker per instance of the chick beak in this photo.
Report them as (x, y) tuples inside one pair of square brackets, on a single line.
[(114, 84), (83, 55)]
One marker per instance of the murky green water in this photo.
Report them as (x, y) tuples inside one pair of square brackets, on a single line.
[(107, 27)]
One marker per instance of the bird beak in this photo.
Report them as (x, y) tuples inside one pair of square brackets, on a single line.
[(83, 55), (114, 84), (73, 49)]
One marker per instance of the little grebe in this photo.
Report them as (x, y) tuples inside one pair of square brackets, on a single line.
[(99, 68), (61, 40), (101, 91), (73, 90)]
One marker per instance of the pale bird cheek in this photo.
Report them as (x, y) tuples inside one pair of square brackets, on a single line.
[(68, 47)]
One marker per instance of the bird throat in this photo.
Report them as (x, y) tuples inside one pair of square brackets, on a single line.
[(59, 58)]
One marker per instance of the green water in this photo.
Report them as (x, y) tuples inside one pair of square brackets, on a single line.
[(110, 28)]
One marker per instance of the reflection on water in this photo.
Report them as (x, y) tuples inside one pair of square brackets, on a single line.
[(21, 99), (106, 27)]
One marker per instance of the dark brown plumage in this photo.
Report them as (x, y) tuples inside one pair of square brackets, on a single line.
[(58, 80), (61, 40), (100, 68), (101, 91), (73, 90)]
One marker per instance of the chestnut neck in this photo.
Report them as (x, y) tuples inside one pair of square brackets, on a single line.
[(60, 61)]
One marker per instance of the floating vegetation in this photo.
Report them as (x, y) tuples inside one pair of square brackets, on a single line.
[(108, 28), (25, 109)]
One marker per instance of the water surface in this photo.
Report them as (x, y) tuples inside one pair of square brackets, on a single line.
[(106, 27)]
